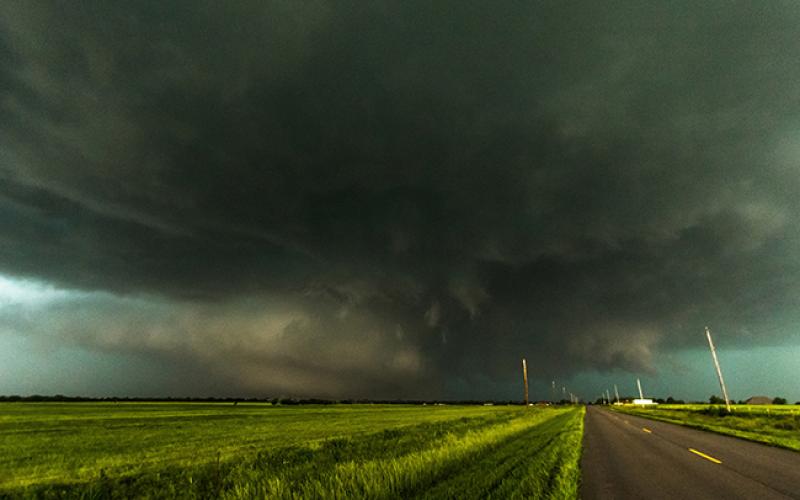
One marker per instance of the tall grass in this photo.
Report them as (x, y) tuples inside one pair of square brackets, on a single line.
[(43, 443), (540, 463), (485, 450), (474, 453)]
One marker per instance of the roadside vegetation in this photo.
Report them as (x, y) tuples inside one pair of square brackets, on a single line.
[(183, 450), (776, 425)]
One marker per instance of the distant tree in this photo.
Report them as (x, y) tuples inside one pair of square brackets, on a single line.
[(673, 401), (779, 401), (716, 400)]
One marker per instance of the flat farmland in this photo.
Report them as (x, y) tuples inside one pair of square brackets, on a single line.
[(201, 450)]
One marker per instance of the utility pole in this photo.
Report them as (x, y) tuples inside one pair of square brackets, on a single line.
[(719, 371), (608, 398), (554, 391), (525, 379), (639, 385), (616, 392)]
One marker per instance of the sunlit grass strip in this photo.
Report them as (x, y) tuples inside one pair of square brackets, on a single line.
[(775, 428), (567, 454), (506, 452), (542, 462), (49, 443), (292, 463), (401, 476)]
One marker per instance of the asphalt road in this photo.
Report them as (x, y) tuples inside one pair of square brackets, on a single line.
[(631, 457)]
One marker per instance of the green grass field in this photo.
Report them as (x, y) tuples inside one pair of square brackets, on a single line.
[(776, 425), (101, 450)]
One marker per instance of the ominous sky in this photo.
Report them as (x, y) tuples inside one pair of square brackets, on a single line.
[(398, 199)]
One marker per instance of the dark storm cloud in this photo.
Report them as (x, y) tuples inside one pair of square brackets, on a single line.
[(447, 186)]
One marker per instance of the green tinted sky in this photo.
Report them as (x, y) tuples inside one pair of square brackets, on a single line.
[(397, 199)]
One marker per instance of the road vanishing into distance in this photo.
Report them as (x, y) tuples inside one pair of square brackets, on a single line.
[(631, 457)]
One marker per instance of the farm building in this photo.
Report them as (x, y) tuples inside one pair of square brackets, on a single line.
[(759, 400)]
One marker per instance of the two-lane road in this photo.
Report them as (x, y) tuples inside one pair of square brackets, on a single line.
[(631, 457)]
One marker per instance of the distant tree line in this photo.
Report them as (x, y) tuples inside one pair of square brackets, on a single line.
[(37, 398), (714, 400)]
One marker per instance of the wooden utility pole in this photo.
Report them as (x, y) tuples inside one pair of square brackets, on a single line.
[(719, 372), (525, 379)]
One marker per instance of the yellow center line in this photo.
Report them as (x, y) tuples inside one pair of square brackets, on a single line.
[(707, 457), (647, 430)]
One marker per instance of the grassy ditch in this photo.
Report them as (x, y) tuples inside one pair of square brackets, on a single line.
[(775, 426)]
